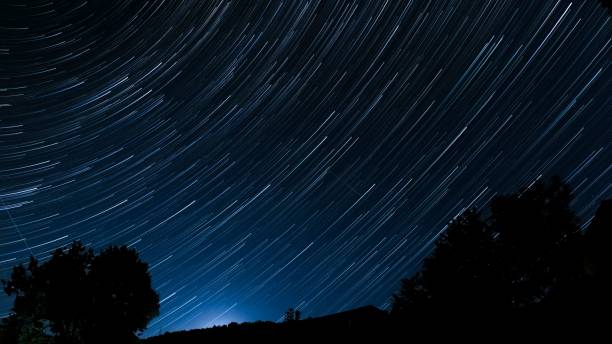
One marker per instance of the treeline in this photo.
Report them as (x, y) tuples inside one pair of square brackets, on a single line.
[(526, 254)]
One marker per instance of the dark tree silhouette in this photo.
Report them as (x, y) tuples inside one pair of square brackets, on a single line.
[(537, 241), (289, 315), (292, 315), (461, 273), (123, 300), (527, 253), (82, 298)]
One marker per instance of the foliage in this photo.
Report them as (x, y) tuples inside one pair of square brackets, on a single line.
[(78, 297), (528, 253)]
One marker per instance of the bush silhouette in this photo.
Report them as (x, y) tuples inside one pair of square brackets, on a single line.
[(78, 297), (528, 253)]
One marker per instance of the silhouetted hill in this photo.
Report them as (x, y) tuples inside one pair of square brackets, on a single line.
[(361, 320), (350, 318)]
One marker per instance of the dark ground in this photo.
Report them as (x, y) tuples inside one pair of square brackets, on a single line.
[(362, 320)]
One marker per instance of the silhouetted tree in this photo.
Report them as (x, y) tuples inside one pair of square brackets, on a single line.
[(54, 291), (289, 315), (82, 298), (292, 315), (538, 241), (123, 299), (527, 252), (461, 272)]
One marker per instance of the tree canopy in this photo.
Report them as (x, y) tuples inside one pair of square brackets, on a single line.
[(527, 252), (79, 297)]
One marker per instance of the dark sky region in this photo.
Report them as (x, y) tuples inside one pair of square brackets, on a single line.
[(266, 154)]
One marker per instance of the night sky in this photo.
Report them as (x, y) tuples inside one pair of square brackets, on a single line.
[(267, 154)]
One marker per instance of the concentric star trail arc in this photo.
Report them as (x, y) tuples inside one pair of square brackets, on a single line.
[(267, 154)]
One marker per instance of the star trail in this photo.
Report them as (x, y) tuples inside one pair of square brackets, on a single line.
[(267, 154)]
